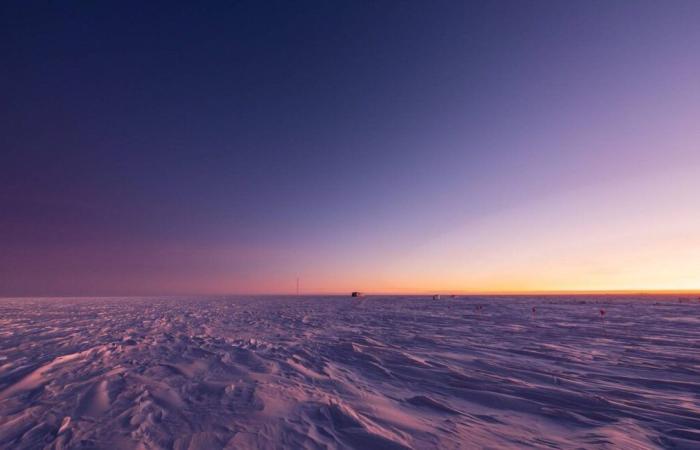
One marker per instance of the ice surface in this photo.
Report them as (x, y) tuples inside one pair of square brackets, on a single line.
[(334, 372)]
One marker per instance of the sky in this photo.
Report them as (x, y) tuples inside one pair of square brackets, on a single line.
[(152, 148)]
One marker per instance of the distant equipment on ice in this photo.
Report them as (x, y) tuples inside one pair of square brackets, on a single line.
[(357, 294), (436, 297)]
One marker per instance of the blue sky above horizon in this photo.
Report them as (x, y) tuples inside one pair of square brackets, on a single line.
[(383, 146)]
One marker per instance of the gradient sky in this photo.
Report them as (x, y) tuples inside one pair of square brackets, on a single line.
[(385, 146)]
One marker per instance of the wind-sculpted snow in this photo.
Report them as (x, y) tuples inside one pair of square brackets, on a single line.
[(374, 372)]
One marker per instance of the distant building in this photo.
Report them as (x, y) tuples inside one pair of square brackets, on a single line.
[(436, 297), (358, 294)]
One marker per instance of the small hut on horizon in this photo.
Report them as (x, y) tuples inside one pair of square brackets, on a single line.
[(357, 294)]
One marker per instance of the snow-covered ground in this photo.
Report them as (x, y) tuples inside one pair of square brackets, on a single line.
[(336, 372)]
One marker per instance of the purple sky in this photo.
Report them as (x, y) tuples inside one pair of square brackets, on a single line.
[(380, 146)]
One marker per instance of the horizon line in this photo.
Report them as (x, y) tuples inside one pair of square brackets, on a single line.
[(388, 293)]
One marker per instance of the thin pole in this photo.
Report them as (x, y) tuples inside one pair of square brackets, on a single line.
[(297, 286)]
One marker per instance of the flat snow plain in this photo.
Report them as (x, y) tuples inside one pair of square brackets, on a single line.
[(336, 372)]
